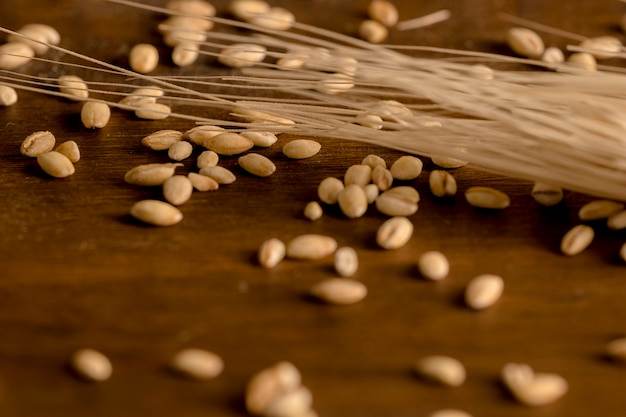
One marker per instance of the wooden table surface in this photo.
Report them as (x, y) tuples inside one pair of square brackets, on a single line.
[(76, 271)]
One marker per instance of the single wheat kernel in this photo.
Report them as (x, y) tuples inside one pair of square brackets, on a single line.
[(311, 247), (433, 265), (617, 221), (199, 134), (447, 162), (391, 110), (248, 9), (74, 87), (383, 11), (260, 139), (260, 118), (525, 42), (583, 60), (242, 55), (141, 96), (271, 252), (483, 291), (293, 59), (257, 164), (313, 211), (373, 31), (406, 167), (192, 7), (155, 212), (301, 148), (197, 364), (360, 175), (394, 233), (269, 384), (162, 139), (181, 29), (442, 183), (296, 402), (220, 174), (37, 143), (577, 239), (14, 55), (8, 96), (335, 83), (372, 121), (352, 201), (207, 159), (382, 178), (38, 39), (599, 209), (150, 174), (373, 161), (70, 150), (533, 388), (546, 194), (91, 365), (339, 291), (51, 35), (143, 58), (180, 150), (153, 111), (95, 114), (185, 53), (371, 193), (487, 197), (177, 190), (603, 47), (450, 412), (481, 72), (276, 18), (553, 55), (616, 350), (346, 261), (228, 144), (398, 201), (442, 370), (202, 182), (55, 164), (329, 189)]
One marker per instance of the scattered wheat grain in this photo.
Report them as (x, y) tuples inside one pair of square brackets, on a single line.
[(220, 174), (177, 190), (311, 247), (433, 265), (70, 150), (91, 365), (313, 211), (373, 31), (271, 252), (257, 164), (95, 114), (483, 291), (546, 194), (14, 55), (155, 212), (394, 233), (440, 369), (197, 364), (74, 87), (525, 42), (37, 143), (531, 388), (346, 261), (301, 148), (162, 139), (599, 209), (8, 96), (339, 291), (153, 111), (180, 150), (442, 183), (406, 167), (150, 174), (352, 201), (487, 198), (577, 239), (202, 182), (56, 164)]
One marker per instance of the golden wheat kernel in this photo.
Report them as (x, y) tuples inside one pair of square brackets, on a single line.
[(329, 190), (553, 55), (242, 55), (38, 39), (51, 35), (247, 9), (373, 31), (185, 53), (382, 178), (483, 291), (583, 60), (577, 239), (480, 72), (371, 121), (220, 174), (143, 58), (162, 139), (270, 383), (74, 87), (141, 96), (202, 182), (257, 164), (373, 161), (447, 162), (91, 365), (70, 149), (276, 18), (199, 134), (197, 364), (313, 211), (335, 83), (189, 26), (37, 143), (296, 402), (525, 42), (8, 96), (442, 183), (177, 190), (599, 209), (547, 194), (207, 159), (450, 412), (180, 150), (14, 55), (383, 11), (617, 221), (153, 111), (262, 118), (95, 114), (271, 252), (352, 201), (440, 369), (616, 350), (228, 144), (192, 7), (156, 213), (487, 197), (406, 167), (358, 174), (339, 291), (346, 261), (311, 247), (398, 201), (371, 193), (391, 110), (533, 388), (260, 139), (150, 174), (55, 164), (433, 265), (394, 233), (292, 60), (603, 47), (301, 148)]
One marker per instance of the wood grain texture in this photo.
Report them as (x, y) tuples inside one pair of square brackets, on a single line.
[(76, 271)]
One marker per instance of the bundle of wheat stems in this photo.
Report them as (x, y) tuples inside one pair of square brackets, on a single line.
[(554, 123)]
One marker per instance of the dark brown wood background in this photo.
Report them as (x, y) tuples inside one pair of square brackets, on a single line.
[(76, 271)]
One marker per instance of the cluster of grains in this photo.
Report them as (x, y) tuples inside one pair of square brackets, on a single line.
[(382, 15), (30, 40), (533, 388), (59, 162)]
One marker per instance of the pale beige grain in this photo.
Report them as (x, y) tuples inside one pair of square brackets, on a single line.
[(483, 291), (301, 148), (382, 178), (257, 164), (406, 167), (153, 111), (441, 369), (51, 35), (8, 96), (582, 60), (192, 7), (271, 252), (180, 29), (33, 37), (546, 194), (360, 175), (525, 42), (346, 261), (577, 239), (373, 31), (70, 149), (185, 53), (14, 55), (391, 110), (616, 350), (487, 198), (398, 201), (155, 212), (383, 11), (532, 388), (95, 114), (141, 96), (271, 383), (372, 121), (150, 174), (37, 143), (394, 233), (91, 365), (162, 139), (296, 402), (335, 83), (311, 247), (260, 139), (599, 209), (56, 164), (329, 189), (339, 291), (202, 182), (371, 193), (228, 144), (199, 134), (373, 161), (207, 159), (276, 18), (553, 55), (313, 211), (180, 150), (74, 87), (177, 190), (220, 174), (447, 162), (262, 119), (442, 183), (433, 265), (617, 221), (198, 364), (248, 9), (352, 201), (242, 55), (602, 47), (143, 58)]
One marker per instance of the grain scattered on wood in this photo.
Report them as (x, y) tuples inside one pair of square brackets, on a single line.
[(271, 252), (198, 364), (311, 247), (394, 233), (56, 164), (157, 213), (150, 174), (37, 143), (91, 365), (339, 291)]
